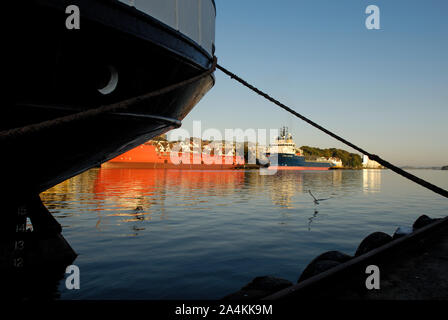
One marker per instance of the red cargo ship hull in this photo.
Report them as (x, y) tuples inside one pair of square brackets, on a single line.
[(147, 156)]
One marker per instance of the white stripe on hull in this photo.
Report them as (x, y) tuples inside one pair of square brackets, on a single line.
[(193, 18)]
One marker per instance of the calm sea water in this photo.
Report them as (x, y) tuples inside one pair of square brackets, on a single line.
[(169, 234)]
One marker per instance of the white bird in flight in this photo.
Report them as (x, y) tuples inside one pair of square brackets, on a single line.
[(316, 201)]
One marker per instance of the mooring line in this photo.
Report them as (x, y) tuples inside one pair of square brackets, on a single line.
[(123, 105), (371, 156)]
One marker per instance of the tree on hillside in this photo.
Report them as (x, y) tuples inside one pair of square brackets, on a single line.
[(350, 160), (162, 137)]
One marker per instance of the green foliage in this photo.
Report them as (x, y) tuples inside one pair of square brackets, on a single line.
[(160, 138), (349, 160)]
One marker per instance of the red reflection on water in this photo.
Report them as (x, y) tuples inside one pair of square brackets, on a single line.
[(130, 183), (134, 192)]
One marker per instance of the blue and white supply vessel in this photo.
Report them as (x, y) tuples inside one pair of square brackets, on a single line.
[(284, 155)]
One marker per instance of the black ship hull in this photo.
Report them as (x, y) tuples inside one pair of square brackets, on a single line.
[(295, 162), (60, 72)]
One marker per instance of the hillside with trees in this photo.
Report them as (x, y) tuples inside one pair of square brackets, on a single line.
[(349, 160)]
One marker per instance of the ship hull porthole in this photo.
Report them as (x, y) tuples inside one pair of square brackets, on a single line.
[(112, 82)]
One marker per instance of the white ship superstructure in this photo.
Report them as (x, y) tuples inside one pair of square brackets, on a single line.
[(284, 143)]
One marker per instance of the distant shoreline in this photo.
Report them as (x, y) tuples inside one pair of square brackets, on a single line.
[(424, 168)]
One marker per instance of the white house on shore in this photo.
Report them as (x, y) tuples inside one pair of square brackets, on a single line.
[(336, 161), (370, 164)]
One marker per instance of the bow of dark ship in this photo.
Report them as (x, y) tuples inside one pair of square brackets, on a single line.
[(77, 56)]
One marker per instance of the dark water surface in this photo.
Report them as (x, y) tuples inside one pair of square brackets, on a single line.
[(169, 234)]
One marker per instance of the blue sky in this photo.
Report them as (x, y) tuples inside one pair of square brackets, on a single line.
[(385, 90)]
